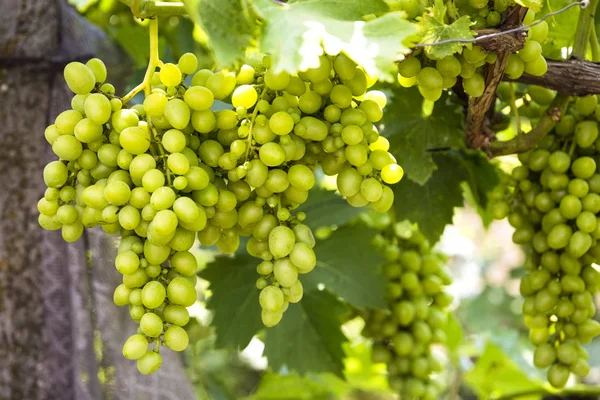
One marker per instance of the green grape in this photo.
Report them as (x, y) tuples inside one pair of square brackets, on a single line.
[(79, 78), (188, 63), (537, 67), (448, 66), (149, 363), (244, 96), (276, 81), (515, 67), (429, 78), (98, 69), (474, 86), (135, 140), (176, 338), (135, 347), (67, 147), (181, 292), (97, 108), (409, 67), (170, 75), (177, 113), (341, 96)]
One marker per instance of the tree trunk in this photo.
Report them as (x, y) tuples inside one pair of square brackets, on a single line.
[(60, 333)]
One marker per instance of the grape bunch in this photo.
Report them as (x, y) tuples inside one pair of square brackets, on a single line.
[(553, 202), (416, 313), (432, 76), (170, 171)]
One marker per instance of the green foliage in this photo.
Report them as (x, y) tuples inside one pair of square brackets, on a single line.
[(228, 23), (436, 29), (309, 338), (349, 271), (325, 208), (412, 133), (234, 299), (432, 205), (503, 360), (535, 5), (336, 24)]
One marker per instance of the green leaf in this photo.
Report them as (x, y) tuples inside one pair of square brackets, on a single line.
[(347, 265), (326, 208), (454, 332), (134, 40), (431, 206), (535, 5), (508, 376), (561, 27), (234, 299), (411, 133), (337, 25), (436, 30), (229, 25), (481, 178), (295, 387), (309, 337)]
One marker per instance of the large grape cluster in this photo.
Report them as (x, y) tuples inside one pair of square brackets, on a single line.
[(554, 206), (416, 313), (431, 76), (171, 170)]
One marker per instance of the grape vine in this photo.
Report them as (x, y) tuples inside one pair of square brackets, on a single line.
[(553, 203), (170, 170), (416, 314)]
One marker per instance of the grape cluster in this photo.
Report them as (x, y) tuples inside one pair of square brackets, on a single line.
[(431, 76), (416, 313), (554, 205), (171, 170)]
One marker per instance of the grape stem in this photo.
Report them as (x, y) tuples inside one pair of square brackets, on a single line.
[(594, 45), (515, 109), (153, 62), (252, 118)]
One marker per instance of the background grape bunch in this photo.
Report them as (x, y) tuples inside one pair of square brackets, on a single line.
[(416, 314), (432, 75), (553, 201), (171, 170)]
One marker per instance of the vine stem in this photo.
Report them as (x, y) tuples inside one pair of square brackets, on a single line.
[(587, 391), (153, 62)]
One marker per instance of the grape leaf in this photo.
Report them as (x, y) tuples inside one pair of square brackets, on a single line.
[(228, 24), (561, 27), (314, 386), (436, 30), (481, 175), (502, 358), (325, 208), (337, 25), (309, 337), (535, 5), (347, 265), (432, 205), (411, 133), (234, 299)]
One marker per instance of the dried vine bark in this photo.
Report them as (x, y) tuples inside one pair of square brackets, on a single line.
[(477, 134), (570, 78)]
